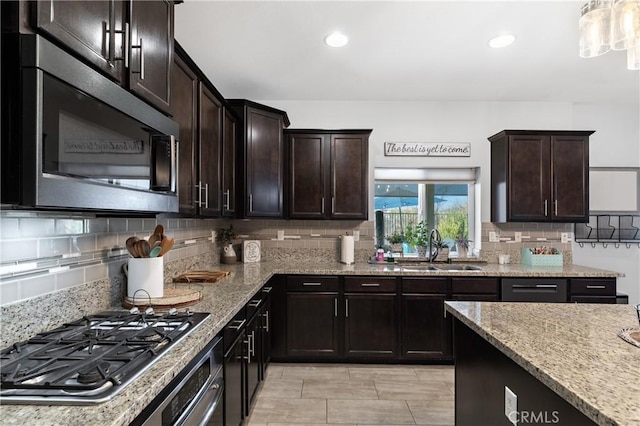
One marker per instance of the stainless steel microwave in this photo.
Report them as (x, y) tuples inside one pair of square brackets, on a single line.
[(83, 142)]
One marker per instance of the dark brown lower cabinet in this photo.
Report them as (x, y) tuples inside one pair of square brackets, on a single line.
[(371, 327), (312, 325), (425, 333), (592, 290), (234, 382)]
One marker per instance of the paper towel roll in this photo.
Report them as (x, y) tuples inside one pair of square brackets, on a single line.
[(145, 274), (347, 249)]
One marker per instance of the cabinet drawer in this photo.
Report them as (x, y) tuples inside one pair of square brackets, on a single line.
[(312, 283), (592, 287), (424, 285), (474, 285), (370, 284), (593, 299)]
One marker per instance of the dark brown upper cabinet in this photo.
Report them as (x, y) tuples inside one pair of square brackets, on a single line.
[(540, 176), (92, 29), (328, 174), (151, 50), (260, 160), (199, 110), (228, 163), (131, 42)]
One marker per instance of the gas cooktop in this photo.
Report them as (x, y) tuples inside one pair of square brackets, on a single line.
[(89, 360)]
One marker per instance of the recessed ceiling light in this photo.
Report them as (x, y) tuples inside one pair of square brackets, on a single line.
[(502, 41), (336, 39)]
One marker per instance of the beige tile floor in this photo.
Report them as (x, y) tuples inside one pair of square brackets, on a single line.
[(341, 394)]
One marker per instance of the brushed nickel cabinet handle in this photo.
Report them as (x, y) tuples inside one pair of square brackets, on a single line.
[(335, 307), (310, 284), (596, 286), (141, 70), (322, 205), (266, 321), (370, 285), (555, 207), (346, 308), (250, 202), (545, 208), (333, 205), (206, 195)]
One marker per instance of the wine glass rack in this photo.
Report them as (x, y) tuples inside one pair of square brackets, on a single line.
[(605, 229)]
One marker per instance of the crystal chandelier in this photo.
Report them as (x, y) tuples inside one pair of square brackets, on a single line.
[(611, 24)]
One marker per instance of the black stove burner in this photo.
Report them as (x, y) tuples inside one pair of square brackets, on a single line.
[(88, 360), (94, 372)]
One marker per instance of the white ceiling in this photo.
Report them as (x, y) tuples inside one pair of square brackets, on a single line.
[(399, 51)]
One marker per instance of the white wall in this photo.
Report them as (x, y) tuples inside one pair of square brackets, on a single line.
[(615, 143)]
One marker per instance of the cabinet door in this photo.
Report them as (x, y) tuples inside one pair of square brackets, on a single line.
[(234, 382), (210, 152), (253, 342), (92, 29), (312, 325), (425, 333), (370, 326), (278, 317), (266, 327), (308, 172), (264, 168), (349, 176), (529, 178), (151, 50), (570, 167), (228, 164), (184, 104)]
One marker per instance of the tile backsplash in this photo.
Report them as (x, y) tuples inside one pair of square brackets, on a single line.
[(42, 253)]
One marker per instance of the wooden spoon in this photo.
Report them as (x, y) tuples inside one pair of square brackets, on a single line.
[(143, 248), (130, 243), (166, 245), (156, 236)]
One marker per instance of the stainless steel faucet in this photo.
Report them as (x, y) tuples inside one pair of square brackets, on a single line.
[(434, 233)]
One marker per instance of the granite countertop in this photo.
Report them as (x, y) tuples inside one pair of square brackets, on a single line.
[(223, 300), (572, 348)]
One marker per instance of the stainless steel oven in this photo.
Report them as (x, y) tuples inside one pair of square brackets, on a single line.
[(195, 397), (83, 142)]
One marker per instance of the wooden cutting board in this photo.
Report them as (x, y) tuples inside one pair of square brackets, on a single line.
[(201, 276), (175, 296)]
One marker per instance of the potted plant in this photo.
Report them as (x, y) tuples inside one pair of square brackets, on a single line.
[(462, 243), (396, 241), (418, 237), (226, 237), (443, 251)]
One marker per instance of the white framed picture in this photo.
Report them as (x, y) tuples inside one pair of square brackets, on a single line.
[(251, 251)]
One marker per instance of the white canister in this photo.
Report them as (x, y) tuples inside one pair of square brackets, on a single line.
[(145, 278)]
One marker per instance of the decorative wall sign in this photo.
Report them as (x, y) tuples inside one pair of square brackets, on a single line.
[(251, 251), (427, 149)]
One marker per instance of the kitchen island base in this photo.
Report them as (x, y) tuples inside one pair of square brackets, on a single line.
[(483, 371)]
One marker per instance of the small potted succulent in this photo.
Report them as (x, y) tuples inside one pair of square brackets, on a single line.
[(226, 237), (418, 237), (396, 241), (462, 244), (443, 251)]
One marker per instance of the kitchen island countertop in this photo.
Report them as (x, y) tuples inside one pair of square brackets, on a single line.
[(223, 300), (571, 348)]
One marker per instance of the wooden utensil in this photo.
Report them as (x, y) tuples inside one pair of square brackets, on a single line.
[(157, 236), (130, 243), (142, 248), (155, 251), (166, 245)]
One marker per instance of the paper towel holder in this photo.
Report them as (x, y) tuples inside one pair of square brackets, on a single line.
[(347, 249)]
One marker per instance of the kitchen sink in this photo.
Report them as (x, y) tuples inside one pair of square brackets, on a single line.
[(445, 268), (460, 268)]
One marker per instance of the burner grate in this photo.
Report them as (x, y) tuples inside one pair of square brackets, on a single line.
[(91, 356)]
